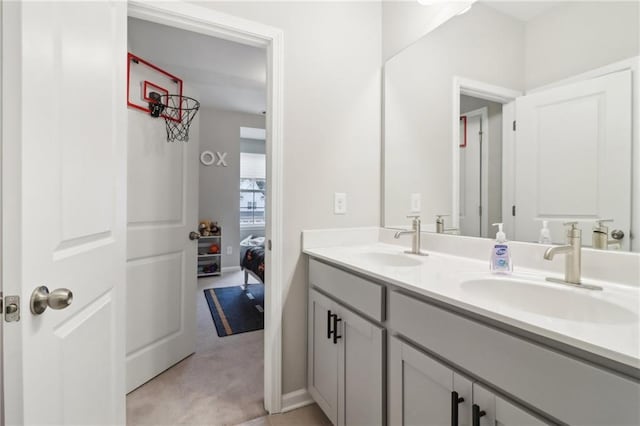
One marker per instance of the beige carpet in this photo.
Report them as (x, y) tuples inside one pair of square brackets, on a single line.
[(221, 384)]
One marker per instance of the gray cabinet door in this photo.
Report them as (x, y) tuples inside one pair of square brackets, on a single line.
[(498, 411), (421, 389), (323, 356), (360, 371)]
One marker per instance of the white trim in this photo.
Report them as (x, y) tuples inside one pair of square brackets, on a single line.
[(477, 89), (626, 64), (227, 269), (296, 399), (252, 227), (253, 133), (508, 166), (203, 20), (484, 160)]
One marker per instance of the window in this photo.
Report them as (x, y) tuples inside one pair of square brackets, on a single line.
[(252, 188)]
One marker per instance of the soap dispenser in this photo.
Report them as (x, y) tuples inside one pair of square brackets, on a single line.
[(545, 234), (500, 254)]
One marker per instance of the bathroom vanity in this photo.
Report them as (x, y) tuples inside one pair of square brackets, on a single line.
[(396, 339)]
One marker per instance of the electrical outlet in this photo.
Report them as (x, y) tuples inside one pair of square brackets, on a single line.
[(416, 202), (340, 203), (229, 249)]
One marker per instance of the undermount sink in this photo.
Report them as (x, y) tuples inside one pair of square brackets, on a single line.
[(392, 259), (557, 302)]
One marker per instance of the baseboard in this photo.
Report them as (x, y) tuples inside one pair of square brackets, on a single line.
[(296, 399), (230, 269)]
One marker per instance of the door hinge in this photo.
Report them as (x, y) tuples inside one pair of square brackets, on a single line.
[(479, 210), (514, 125), (10, 306), (269, 245), (513, 210)]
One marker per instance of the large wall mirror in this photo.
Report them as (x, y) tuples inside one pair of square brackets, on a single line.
[(518, 112)]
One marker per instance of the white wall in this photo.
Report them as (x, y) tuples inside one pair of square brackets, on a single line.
[(220, 186), (331, 135), (405, 22), (579, 36), (481, 45)]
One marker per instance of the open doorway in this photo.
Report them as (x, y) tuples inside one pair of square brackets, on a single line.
[(480, 165), (482, 156), (177, 288)]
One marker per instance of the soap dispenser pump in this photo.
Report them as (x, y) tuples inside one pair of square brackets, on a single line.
[(545, 234), (500, 254)]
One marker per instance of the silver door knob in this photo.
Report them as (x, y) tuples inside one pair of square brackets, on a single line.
[(193, 235), (617, 234), (59, 298)]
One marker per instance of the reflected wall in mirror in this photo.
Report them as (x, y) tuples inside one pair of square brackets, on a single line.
[(518, 112)]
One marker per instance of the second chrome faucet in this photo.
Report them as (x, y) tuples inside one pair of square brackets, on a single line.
[(573, 258), (416, 234)]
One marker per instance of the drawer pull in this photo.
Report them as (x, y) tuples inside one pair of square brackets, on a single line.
[(329, 315), (477, 414), (455, 400), (335, 328)]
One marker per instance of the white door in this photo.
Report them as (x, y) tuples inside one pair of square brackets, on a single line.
[(573, 157), (471, 175), (161, 259), (64, 152)]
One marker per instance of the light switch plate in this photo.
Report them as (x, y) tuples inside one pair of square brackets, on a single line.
[(416, 202), (340, 203)]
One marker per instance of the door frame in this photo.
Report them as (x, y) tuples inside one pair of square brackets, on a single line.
[(482, 90), (207, 21), (483, 113)]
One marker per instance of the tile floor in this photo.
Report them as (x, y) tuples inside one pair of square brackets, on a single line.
[(221, 384)]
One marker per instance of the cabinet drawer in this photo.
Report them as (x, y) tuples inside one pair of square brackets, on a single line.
[(363, 295), (570, 390)]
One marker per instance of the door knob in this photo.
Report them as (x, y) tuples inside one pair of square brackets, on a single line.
[(617, 234), (59, 298), (193, 235)]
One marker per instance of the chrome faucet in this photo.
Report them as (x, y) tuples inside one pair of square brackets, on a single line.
[(415, 231), (440, 223), (600, 236), (573, 259)]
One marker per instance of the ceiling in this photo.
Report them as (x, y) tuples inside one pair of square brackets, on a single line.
[(522, 10), (223, 74)]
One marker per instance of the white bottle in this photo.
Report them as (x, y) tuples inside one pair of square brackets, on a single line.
[(500, 254), (545, 234)]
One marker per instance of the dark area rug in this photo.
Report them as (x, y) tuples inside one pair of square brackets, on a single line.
[(235, 310)]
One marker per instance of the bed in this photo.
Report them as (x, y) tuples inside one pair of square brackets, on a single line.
[(252, 258)]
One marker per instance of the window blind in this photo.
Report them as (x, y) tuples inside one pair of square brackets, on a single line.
[(253, 166)]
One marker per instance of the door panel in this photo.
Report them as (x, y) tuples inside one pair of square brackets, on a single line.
[(470, 177), (161, 260), (67, 366), (420, 389), (573, 157), (498, 411), (323, 357), (360, 371)]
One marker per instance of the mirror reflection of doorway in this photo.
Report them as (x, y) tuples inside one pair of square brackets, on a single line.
[(480, 165)]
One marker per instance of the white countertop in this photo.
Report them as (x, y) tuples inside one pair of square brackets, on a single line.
[(441, 276)]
